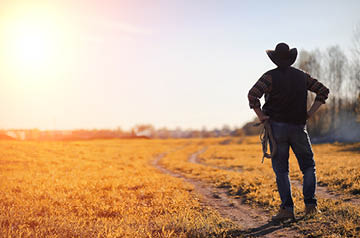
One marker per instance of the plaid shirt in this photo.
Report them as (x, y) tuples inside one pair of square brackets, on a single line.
[(263, 85)]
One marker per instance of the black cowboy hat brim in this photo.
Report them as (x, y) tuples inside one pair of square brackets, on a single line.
[(283, 62)]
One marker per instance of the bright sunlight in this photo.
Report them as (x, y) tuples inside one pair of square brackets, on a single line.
[(33, 45), (33, 40)]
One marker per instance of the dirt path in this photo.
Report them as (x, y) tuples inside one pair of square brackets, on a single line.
[(252, 222), (321, 191)]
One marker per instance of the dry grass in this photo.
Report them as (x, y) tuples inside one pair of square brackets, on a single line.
[(338, 167), (109, 188), (96, 189)]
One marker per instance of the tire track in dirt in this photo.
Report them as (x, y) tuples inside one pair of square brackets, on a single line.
[(321, 191), (254, 222)]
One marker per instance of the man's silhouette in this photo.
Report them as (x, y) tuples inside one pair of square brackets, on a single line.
[(285, 108)]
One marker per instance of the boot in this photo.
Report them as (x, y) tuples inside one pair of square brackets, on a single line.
[(283, 214), (311, 209)]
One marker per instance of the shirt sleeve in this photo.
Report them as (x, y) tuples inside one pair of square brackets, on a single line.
[(263, 85), (318, 88)]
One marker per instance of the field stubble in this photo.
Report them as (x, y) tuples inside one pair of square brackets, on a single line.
[(237, 166), (109, 188), (97, 189)]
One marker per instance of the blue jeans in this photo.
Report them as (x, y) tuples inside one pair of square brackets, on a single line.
[(295, 136)]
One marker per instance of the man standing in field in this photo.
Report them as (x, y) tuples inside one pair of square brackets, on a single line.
[(285, 108)]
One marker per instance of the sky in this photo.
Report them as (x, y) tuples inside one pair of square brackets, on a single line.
[(181, 63)]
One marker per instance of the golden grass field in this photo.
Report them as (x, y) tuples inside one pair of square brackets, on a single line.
[(109, 188)]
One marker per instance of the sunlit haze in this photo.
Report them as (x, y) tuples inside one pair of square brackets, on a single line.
[(189, 64)]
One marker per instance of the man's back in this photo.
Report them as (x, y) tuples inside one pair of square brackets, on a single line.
[(286, 101)]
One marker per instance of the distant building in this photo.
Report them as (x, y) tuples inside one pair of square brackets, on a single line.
[(16, 134)]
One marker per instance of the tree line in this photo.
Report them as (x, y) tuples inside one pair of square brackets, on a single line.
[(144, 131), (338, 119)]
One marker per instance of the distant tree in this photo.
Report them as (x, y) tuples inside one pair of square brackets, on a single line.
[(163, 133), (238, 132), (205, 133), (195, 133), (337, 120), (335, 70), (226, 130), (310, 62), (119, 132), (144, 130), (249, 129), (355, 70)]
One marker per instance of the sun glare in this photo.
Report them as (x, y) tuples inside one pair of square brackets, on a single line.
[(33, 46), (32, 40)]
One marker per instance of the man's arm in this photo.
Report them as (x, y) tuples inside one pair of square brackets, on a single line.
[(262, 86), (262, 117), (321, 91), (314, 107)]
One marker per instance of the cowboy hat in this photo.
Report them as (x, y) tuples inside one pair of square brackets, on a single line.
[(282, 56)]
